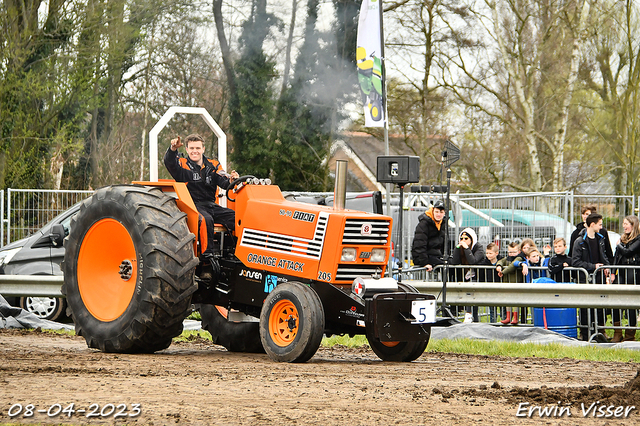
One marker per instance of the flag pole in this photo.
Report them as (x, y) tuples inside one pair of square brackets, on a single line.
[(386, 130)]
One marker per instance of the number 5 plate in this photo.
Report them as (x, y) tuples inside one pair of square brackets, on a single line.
[(424, 311)]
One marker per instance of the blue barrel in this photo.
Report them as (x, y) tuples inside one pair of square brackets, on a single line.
[(560, 320)]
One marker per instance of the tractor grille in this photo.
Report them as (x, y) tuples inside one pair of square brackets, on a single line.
[(350, 272), (288, 244), (353, 232)]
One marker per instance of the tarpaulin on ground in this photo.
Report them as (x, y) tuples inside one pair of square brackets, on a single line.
[(12, 317), (484, 331)]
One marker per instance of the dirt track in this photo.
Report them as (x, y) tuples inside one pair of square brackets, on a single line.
[(199, 383)]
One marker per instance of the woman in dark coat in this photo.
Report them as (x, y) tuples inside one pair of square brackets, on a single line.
[(628, 254), (467, 252)]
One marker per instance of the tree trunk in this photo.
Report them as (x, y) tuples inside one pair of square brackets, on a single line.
[(287, 60), (227, 61), (561, 132)]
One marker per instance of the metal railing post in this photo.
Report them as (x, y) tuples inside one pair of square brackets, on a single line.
[(2, 223), (9, 215)]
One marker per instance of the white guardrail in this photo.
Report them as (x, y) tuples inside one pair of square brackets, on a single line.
[(550, 295)]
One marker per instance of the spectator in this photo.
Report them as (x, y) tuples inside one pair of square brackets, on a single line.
[(628, 254), (535, 260), (509, 273), (559, 261), (428, 241), (589, 253), (467, 252), (490, 275), (525, 247), (586, 211)]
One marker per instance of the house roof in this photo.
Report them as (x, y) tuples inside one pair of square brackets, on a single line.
[(362, 151)]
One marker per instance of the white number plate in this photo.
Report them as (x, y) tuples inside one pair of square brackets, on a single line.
[(424, 311)]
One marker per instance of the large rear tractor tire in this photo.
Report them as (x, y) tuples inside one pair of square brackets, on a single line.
[(398, 351), (292, 323), (129, 269), (234, 336)]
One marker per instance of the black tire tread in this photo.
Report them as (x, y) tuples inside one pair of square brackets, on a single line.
[(235, 337), (167, 277), (312, 323)]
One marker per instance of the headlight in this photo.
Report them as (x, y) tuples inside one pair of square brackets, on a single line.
[(378, 255), (7, 255), (348, 254)]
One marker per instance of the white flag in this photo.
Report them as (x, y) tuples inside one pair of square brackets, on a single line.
[(370, 63)]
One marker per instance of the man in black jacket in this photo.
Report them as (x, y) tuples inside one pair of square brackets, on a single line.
[(589, 253), (586, 211), (203, 177), (428, 241)]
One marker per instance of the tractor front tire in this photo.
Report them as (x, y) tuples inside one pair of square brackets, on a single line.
[(129, 269), (234, 336), (292, 323)]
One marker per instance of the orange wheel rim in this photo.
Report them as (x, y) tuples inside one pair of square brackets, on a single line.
[(107, 269), (390, 344), (223, 311), (283, 323)]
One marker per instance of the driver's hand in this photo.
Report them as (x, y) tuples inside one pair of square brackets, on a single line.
[(234, 175), (175, 143)]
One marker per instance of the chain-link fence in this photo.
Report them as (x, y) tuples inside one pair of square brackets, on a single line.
[(30, 209)]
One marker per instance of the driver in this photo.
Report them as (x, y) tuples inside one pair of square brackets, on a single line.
[(203, 177)]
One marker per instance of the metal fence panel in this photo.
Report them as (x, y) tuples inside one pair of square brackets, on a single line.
[(30, 209)]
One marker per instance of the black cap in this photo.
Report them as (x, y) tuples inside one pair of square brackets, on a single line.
[(439, 204)]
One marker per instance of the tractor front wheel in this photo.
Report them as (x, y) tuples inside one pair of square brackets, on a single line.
[(292, 323), (129, 269)]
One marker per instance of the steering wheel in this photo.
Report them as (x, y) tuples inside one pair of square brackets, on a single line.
[(236, 183)]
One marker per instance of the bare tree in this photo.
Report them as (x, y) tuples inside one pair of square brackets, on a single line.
[(517, 63), (614, 74)]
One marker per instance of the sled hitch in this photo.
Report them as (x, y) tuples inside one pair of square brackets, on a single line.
[(401, 317)]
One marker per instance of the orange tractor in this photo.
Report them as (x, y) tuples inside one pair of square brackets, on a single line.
[(289, 274)]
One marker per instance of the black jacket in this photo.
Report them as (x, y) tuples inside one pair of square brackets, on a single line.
[(581, 256), (202, 181), (556, 268), (489, 275), (428, 240), (628, 254), (576, 233)]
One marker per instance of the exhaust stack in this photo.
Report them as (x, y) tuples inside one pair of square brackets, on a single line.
[(340, 190)]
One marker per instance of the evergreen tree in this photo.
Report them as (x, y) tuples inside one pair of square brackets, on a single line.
[(252, 105), (304, 116)]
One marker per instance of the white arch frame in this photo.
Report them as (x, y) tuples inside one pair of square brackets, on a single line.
[(162, 123)]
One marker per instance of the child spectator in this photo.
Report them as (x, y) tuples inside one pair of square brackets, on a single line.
[(508, 271), (491, 259), (525, 246), (490, 275), (535, 260), (559, 261)]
